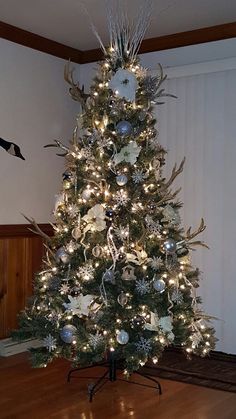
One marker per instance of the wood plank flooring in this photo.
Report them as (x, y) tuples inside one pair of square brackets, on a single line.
[(27, 393)]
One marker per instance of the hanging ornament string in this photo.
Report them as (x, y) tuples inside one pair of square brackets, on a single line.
[(112, 248), (170, 306), (114, 254), (103, 293)]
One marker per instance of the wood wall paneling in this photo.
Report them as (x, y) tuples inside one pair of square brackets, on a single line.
[(21, 254)]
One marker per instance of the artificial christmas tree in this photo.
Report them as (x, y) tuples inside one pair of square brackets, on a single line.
[(117, 275)]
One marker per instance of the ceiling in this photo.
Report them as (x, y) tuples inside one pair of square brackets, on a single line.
[(64, 20)]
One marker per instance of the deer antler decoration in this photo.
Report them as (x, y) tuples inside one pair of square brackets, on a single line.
[(75, 91)]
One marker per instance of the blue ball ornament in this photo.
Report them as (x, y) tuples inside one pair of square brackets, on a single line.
[(67, 333), (122, 337), (124, 128)]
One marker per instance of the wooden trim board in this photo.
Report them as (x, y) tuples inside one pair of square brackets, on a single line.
[(177, 40), (22, 230)]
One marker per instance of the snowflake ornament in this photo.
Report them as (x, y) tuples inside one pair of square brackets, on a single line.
[(50, 343), (142, 286), (64, 289), (95, 340), (177, 296), (121, 198), (73, 210), (138, 176), (156, 263), (71, 246), (86, 272), (128, 153), (122, 232), (153, 227), (124, 84), (144, 345)]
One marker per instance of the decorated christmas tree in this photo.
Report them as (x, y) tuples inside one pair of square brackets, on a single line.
[(117, 274)]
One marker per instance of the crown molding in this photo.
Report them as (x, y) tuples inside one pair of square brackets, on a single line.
[(177, 40), (39, 43)]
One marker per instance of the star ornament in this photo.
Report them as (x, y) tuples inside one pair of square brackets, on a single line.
[(124, 84), (80, 304)]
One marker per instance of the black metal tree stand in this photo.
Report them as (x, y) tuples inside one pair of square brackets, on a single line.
[(112, 365)]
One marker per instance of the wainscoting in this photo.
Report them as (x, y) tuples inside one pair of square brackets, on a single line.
[(21, 254)]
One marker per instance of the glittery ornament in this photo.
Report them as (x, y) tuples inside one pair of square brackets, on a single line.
[(86, 194), (159, 285), (124, 128), (121, 180), (67, 333), (169, 246), (122, 299), (97, 251), (122, 337), (62, 256)]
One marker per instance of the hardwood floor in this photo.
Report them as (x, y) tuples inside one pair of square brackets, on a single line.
[(44, 393)]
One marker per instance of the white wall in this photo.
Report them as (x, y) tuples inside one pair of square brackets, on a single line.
[(35, 109), (201, 125)]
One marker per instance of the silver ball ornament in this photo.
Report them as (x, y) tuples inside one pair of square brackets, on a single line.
[(76, 233), (97, 251), (124, 128), (121, 180), (169, 246), (62, 256), (67, 333), (122, 337), (159, 285)]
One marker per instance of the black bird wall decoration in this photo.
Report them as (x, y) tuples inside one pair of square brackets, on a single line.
[(11, 148)]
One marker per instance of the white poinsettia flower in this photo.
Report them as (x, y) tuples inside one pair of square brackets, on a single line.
[(80, 304), (124, 84), (129, 153), (95, 218), (153, 326), (165, 323)]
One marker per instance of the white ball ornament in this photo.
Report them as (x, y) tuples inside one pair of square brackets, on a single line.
[(122, 337), (121, 180), (67, 333)]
